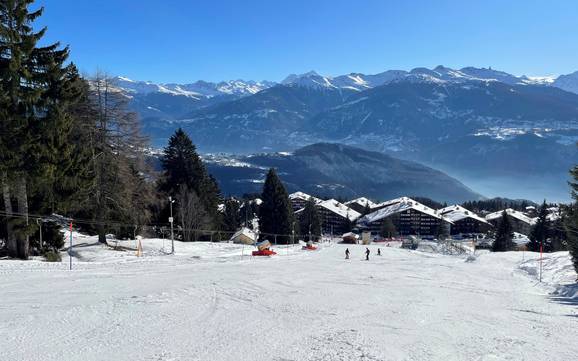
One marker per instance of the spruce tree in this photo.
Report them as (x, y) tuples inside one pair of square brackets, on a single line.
[(388, 228), (540, 234), (34, 95), (275, 213), (310, 221), (504, 235), (571, 220), (231, 215), (183, 167)]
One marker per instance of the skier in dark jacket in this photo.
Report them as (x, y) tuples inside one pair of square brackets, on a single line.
[(347, 253), (379, 251), (367, 254)]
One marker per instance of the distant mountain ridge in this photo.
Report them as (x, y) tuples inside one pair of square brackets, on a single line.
[(334, 170), (468, 122)]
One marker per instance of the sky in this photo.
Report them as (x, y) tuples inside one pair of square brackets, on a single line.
[(187, 40)]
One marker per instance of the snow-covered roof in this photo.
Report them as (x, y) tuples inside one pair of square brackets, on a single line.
[(512, 213), (362, 201), (457, 213), (393, 201), (399, 205), (340, 209), (245, 232), (520, 239), (350, 235), (303, 196)]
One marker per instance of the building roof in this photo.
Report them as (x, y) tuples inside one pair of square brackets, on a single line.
[(457, 213), (362, 201), (393, 201), (303, 196), (399, 205), (247, 232), (512, 213), (340, 209)]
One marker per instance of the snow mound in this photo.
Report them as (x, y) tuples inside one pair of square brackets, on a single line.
[(557, 273)]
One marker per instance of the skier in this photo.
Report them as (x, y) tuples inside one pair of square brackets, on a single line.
[(379, 251), (367, 254), (347, 253)]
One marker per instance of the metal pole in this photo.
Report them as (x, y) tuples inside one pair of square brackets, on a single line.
[(172, 231), (70, 248)]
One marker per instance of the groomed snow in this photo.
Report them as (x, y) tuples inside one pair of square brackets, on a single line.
[(208, 302)]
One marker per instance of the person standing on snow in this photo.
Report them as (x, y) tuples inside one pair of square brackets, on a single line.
[(347, 253), (367, 254), (379, 251)]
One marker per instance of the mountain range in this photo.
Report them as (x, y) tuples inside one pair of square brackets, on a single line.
[(336, 171), (477, 124)]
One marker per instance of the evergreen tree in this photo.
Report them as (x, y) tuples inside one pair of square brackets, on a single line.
[(388, 229), (310, 221), (571, 220), (504, 235), (540, 234), (182, 167), (35, 92), (231, 215), (275, 213)]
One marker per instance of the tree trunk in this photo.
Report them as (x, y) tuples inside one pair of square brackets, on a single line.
[(10, 240), (22, 199)]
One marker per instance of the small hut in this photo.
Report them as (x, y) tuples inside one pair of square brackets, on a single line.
[(244, 235)]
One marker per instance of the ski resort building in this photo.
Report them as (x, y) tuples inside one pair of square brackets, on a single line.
[(336, 218), (521, 223), (361, 204), (408, 216), (299, 199), (464, 221)]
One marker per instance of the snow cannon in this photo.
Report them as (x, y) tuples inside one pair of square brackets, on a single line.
[(263, 249), (309, 246)]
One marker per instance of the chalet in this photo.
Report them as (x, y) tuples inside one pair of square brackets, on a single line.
[(361, 204), (299, 199), (407, 215), (336, 218), (464, 221), (521, 223)]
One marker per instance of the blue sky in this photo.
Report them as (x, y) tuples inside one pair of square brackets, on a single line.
[(186, 40)]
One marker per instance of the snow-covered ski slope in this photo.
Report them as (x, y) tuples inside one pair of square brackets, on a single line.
[(208, 302)]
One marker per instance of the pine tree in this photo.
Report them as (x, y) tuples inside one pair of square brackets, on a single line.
[(504, 235), (540, 235), (232, 215), (275, 213), (310, 221), (34, 95), (182, 167), (388, 228), (571, 220)]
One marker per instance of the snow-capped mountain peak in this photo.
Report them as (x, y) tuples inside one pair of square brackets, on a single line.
[(567, 82), (198, 89)]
